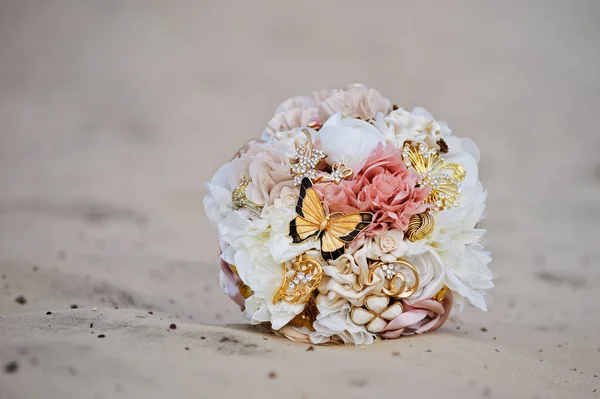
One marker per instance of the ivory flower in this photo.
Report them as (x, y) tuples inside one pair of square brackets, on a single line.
[(334, 321), (417, 125), (269, 169), (279, 243), (295, 112), (457, 240), (347, 279), (288, 197), (218, 203), (387, 246), (357, 101), (348, 140), (267, 166), (432, 274), (256, 267)]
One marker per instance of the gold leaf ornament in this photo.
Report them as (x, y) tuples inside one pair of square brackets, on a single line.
[(300, 280), (444, 178), (419, 226)]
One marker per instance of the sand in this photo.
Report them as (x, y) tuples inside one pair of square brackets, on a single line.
[(113, 114)]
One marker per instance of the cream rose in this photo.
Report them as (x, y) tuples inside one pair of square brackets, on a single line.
[(287, 197), (387, 246)]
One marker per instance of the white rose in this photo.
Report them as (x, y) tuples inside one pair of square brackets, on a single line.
[(348, 140)]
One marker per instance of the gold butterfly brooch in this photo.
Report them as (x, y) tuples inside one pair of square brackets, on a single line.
[(314, 221)]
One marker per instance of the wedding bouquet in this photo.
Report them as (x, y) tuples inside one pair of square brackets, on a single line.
[(351, 218)]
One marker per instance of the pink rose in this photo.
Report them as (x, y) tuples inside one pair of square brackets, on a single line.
[(383, 186)]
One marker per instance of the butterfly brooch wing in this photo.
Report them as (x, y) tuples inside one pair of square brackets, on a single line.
[(335, 233)]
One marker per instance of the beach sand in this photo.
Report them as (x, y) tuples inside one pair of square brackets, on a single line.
[(114, 114)]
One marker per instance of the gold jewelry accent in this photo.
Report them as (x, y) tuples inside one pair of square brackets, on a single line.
[(239, 199), (419, 226), (307, 317), (445, 179), (338, 173), (441, 294), (245, 290), (392, 272), (307, 159), (377, 314), (300, 281)]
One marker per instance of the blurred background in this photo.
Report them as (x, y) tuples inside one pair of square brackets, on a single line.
[(113, 114)]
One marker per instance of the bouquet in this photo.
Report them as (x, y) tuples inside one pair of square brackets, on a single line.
[(351, 219)]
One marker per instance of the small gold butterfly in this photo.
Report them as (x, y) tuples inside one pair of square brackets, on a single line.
[(314, 221)]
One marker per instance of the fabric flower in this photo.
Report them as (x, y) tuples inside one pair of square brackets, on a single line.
[(383, 186), (287, 197), (432, 274), (348, 140), (346, 278), (279, 242), (420, 317), (457, 240), (269, 169), (228, 280), (417, 125), (333, 321), (356, 101), (256, 267), (289, 141), (267, 166), (387, 246), (295, 112)]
